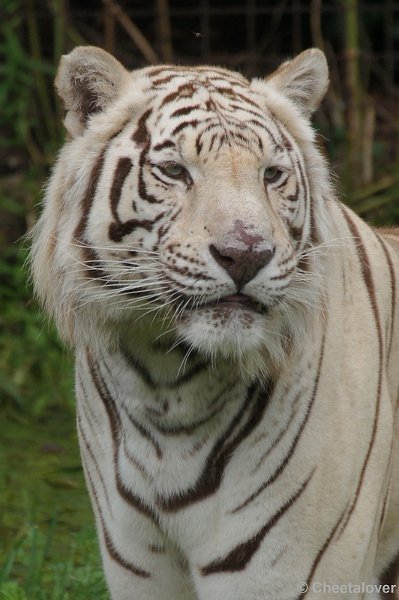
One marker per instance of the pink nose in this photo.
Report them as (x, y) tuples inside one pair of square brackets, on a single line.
[(243, 254)]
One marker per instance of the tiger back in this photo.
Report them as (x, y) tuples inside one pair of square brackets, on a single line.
[(236, 336)]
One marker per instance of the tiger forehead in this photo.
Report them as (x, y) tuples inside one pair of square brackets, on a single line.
[(199, 83), (209, 77), (211, 108)]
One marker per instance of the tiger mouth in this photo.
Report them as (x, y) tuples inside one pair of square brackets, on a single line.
[(235, 302)]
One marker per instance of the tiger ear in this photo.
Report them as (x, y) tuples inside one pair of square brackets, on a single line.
[(303, 80), (88, 80)]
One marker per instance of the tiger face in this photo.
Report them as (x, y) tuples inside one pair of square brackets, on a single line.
[(196, 202)]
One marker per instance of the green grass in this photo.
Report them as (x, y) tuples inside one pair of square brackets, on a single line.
[(78, 576), (48, 545)]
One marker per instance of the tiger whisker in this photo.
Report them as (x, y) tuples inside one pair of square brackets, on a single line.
[(183, 363), (129, 248)]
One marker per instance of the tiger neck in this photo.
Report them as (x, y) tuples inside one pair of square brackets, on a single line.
[(173, 386)]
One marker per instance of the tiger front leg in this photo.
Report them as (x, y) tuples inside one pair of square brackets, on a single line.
[(281, 571), (246, 585), (139, 563), (164, 578)]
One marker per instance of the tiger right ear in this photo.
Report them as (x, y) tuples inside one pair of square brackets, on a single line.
[(87, 81)]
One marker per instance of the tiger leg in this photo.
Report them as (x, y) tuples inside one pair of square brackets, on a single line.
[(165, 580), (138, 562), (284, 576), (256, 581)]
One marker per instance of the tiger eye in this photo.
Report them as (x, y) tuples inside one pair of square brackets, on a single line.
[(173, 169), (271, 174)]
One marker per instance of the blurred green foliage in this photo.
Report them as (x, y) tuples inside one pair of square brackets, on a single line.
[(39, 559), (34, 370), (29, 115)]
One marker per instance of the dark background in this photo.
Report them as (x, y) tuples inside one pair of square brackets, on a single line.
[(47, 541)]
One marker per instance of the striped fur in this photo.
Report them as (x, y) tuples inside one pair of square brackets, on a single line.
[(236, 335)]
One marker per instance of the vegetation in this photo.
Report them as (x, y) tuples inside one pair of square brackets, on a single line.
[(48, 549), (77, 576)]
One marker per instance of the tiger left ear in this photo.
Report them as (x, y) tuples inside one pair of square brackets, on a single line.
[(88, 80), (303, 80)]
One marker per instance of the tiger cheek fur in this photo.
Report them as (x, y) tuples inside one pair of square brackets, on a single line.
[(235, 332)]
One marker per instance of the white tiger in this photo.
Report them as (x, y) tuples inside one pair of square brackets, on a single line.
[(236, 336)]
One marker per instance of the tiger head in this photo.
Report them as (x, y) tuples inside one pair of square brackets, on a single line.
[(184, 203)]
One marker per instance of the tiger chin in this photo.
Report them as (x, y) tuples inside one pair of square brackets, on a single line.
[(236, 335)]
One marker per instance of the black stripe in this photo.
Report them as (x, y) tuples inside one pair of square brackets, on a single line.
[(384, 509), (294, 444), (117, 231), (213, 138), (211, 475), (239, 557), (193, 124), (368, 281), (95, 267), (393, 289), (109, 544), (137, 463), (246, 100), (297, 232), (198, 146), (282, 433), (258, 113), (141, 134), (163, 80), (110, 408), (146, 434), (122, 170), (180, 112), (138, 366), (186, 272), (142, 138), (88, 198), (320, 554), (93, 458), (146, 376), (162, 145), (186, 90), (309, 211), (116, 432)]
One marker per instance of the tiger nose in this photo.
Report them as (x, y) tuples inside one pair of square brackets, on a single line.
[(243, 254)]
